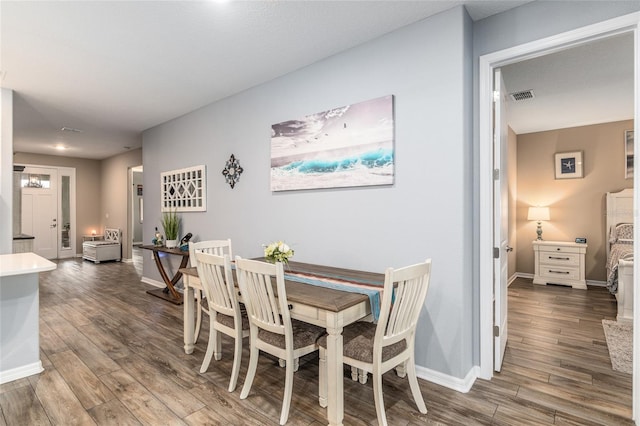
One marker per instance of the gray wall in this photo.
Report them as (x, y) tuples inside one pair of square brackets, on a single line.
[(430, 211), (425, 214)]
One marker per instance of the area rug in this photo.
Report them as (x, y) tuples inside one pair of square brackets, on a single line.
[(619, 337)]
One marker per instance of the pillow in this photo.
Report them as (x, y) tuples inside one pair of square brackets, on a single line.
[(622, 232)]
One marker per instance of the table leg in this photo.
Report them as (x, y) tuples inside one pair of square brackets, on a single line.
[(169, 282), (335, 397), (188, 316)]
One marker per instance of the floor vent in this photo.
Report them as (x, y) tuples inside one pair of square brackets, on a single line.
[(522, 95)]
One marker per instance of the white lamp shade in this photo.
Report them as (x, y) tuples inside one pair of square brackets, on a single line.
[(538, 213)]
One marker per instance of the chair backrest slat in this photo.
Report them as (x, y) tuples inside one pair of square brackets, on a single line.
[(217, 247), (404, 293), (217, 282), (264, 303)]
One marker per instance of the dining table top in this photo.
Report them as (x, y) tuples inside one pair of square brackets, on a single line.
[(324, 298)]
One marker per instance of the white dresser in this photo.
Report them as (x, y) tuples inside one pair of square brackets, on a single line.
[(559, 262)]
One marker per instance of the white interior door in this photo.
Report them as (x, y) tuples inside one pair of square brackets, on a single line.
[(501, 221), (40, 210)]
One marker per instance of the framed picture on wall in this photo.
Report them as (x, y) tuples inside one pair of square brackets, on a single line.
[(568, 165), (628, 154)]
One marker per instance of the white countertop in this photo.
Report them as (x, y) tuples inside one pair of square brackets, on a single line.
[(24, 263)]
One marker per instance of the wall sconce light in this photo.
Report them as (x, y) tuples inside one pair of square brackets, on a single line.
[(538, 214)]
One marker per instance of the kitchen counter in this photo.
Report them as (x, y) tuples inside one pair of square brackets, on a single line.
[(19, 314), (23, 237), (23, 243)]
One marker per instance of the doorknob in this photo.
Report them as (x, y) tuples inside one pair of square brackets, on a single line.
[(509, 249)]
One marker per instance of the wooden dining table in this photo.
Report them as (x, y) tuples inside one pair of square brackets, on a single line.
[(329, 308)]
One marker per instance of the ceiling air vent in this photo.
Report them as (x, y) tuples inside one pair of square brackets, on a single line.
[(522, 95)]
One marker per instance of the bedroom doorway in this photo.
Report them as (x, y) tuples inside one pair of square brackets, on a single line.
[(489, 63), (136, 209)]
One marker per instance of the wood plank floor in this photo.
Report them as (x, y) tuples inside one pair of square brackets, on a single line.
[(114, 355)]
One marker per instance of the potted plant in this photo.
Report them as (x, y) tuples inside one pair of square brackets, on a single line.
[(171, 226)]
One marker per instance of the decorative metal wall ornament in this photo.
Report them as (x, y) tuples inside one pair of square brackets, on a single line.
[(232, 171)]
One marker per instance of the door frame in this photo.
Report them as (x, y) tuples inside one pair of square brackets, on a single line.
[(131, 196), (71, 251), (487, 64)]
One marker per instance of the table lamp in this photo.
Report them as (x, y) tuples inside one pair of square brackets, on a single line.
[(538, 214)]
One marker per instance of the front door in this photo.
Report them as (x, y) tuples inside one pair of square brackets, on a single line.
[(40, 209)]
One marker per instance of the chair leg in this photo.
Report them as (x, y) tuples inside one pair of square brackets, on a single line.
[(322, 378), (401, 370), (237, 359), (288, 390), (363, 376), (379, 401), (415, 387), (354, 373), (282, 363), (196, 332), (251, 372), (211, 346)]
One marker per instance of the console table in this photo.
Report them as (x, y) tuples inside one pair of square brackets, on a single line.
[(168, 293)]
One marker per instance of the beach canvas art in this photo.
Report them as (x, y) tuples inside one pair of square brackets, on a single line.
[(342, 147)]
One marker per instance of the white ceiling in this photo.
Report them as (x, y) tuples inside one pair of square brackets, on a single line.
[(587, 84), (116, 68)]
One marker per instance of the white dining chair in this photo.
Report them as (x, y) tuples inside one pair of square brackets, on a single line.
[(378, 348), (217, 247), (272, 329), (225, 312)]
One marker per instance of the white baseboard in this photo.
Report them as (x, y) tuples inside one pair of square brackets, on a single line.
[(159, 284), (21, 372), (153, 282), (460, 385), (518, 275), (597, 283)]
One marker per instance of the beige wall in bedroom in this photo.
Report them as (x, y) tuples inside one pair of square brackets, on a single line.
[(577, 206)]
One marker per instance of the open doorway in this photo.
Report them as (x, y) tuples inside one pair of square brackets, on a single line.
[(489, 63), (136, 191)]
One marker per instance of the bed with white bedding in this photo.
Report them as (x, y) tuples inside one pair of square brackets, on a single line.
[(620, 250)]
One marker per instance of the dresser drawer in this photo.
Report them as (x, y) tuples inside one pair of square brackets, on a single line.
[(559, 272), (559, 262), (559, 258), (559, 249)]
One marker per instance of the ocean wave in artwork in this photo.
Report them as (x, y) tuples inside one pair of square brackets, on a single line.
[(373, 167), (378, 158)]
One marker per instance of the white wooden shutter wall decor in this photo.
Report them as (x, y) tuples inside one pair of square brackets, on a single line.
[(184, 190)]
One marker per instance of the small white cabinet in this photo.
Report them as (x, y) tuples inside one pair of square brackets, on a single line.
[(559, 262)]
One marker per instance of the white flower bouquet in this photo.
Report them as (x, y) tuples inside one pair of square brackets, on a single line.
[(278, 252)]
